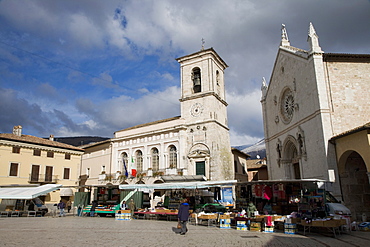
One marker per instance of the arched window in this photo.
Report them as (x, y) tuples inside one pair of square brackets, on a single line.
[(197, 83), (124, 162), (173, 157), (155, 159), (139, 161)]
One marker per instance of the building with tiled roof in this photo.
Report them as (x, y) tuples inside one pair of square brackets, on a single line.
[(312, 109), (195, 145), (30, 161)]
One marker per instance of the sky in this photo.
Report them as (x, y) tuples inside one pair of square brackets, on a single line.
[(90, 68)]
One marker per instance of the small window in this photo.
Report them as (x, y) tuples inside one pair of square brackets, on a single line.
[(66, 173), (36, 152), (173, 157), (16, 150), (50, 154), (13, 169), (67, 156), (236, 166), (139, 161), (155, 159)]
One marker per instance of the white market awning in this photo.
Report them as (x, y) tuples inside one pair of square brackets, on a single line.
[(183, 185), (66, 192), (27, 192)]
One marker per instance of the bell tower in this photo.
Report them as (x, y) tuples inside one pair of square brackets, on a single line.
[(203, 107), (202, 87)]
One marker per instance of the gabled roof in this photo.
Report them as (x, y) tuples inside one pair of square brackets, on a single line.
[(240, 152), (255, 164), (37, 140)]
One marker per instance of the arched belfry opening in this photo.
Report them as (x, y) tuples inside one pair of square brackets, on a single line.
[(196, 77), (291, 159), (354, 180)]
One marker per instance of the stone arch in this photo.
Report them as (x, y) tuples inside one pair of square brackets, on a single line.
[(199, 150), (354, 180), (290, 158)]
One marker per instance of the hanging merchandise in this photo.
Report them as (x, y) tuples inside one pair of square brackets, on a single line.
[(258, 188), (281, 192), (275, 190), (267, 193)]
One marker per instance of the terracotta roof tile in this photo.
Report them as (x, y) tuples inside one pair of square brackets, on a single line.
[(37, 140)]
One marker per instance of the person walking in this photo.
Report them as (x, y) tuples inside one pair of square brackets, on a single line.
[(93, 206), (61, 206), (183, 216), (69, 205), (132, 206)]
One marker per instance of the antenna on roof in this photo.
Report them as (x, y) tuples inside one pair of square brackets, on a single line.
[(203, 42)]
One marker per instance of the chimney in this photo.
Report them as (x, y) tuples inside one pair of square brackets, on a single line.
[(17, 130), (51, 138)]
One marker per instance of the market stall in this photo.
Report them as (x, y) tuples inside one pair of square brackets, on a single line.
[(15, 201)]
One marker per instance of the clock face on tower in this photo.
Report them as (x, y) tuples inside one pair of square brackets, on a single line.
[(196, 109)]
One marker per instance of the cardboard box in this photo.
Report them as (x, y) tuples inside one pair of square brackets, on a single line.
[(241, 223), (224, 216), (256, 224), (255, 229), (269, 229), (241, 228)]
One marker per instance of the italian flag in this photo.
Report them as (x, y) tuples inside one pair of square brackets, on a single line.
[(133, 167)]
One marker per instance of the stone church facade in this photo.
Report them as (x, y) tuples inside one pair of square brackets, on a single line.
[(195, 144), (312, 97)]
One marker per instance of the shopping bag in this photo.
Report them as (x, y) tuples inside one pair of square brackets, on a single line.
[(178, 225)]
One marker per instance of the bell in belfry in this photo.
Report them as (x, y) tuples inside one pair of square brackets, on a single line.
[(196, 80)]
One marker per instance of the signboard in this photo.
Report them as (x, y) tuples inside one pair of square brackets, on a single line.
[(227, 196)]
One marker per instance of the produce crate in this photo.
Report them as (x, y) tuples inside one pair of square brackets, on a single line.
[(290, 228), (224, 216), (364, 226), (269, 229), (255, 229), (242, 228)]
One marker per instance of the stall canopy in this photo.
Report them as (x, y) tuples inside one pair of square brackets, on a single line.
[(27, 192), (184, 185)]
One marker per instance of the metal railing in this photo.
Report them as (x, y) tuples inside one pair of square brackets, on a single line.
[(43, 178)]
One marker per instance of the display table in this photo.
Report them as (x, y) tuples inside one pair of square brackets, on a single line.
[(154, 215), (331, 225), (211, 219)]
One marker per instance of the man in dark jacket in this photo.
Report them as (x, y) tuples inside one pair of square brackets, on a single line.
[(93, 206), (183, 216), (61, 206)]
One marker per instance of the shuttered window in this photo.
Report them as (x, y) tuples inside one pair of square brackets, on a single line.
[(13, 169), (201, 168), (66, 173)]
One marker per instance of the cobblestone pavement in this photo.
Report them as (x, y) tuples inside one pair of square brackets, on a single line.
[(106, 231)]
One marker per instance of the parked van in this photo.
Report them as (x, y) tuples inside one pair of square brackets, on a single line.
[(34, 204)]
